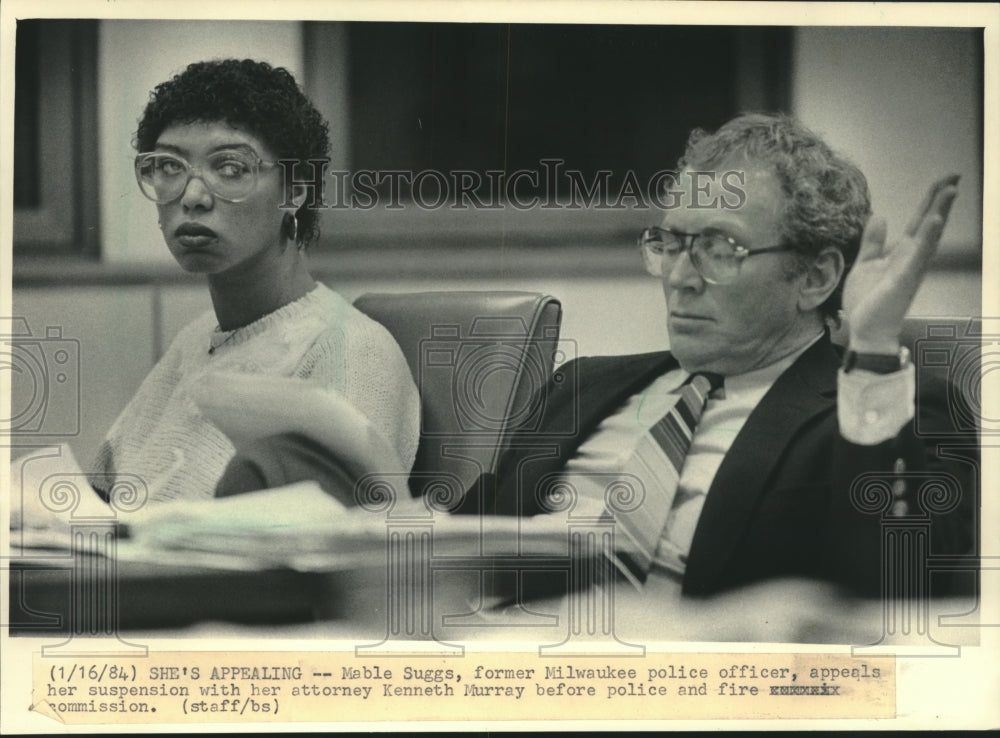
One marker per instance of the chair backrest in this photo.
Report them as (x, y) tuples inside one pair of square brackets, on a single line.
[(478, 359)]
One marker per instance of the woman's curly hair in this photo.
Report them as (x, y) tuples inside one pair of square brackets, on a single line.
[(262, 100), (827, 198)]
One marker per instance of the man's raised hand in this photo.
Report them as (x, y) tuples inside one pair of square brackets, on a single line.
[(885, 278)]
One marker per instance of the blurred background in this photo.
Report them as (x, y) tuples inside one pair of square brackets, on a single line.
[(94, 280)]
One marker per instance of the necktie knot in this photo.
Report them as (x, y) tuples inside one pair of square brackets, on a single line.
[(705, 383)]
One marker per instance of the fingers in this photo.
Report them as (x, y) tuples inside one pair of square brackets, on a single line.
[(931, 199), (945, 199), (873, 240), (918, 217), (924, 230), (928, 235)]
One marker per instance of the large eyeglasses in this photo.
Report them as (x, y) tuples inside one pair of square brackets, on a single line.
[(230, 175), (716, 256)]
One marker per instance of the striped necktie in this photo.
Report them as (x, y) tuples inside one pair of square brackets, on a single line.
[(657, 459)]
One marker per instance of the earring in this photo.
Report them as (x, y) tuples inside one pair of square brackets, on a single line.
[(292, 230)]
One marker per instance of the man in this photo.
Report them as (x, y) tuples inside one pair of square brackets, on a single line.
[(751, 287), (787, 462)]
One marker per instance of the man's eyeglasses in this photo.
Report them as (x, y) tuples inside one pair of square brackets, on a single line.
[(230, 175), (715, 256)]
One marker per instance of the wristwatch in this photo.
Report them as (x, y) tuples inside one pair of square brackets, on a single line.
[(877, 363)]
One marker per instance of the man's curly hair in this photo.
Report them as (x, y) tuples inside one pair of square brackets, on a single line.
[(262, 100), (827, 202)]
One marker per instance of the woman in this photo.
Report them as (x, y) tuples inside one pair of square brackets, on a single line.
[(209, 142)]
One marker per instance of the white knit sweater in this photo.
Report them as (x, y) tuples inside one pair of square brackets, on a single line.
[(162, 437)]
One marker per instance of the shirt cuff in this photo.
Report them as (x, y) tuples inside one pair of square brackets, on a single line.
[(872, 408)]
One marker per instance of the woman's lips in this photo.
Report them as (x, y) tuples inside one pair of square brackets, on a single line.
[(194, 235)]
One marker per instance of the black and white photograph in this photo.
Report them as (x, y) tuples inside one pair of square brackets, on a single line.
[(626, 364)]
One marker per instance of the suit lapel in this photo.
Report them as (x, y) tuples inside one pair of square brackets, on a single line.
[(806, 389), (590, 389), (607, 382)]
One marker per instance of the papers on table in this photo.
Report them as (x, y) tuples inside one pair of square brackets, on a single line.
[(49, 493), (298, 526), (301, 527)]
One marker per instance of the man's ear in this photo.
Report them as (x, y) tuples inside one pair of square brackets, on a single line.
[(822, 275)]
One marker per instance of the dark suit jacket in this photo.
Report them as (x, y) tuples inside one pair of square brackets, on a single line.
[(781, 503)]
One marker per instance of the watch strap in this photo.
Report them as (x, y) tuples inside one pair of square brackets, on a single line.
[(876, 363)]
